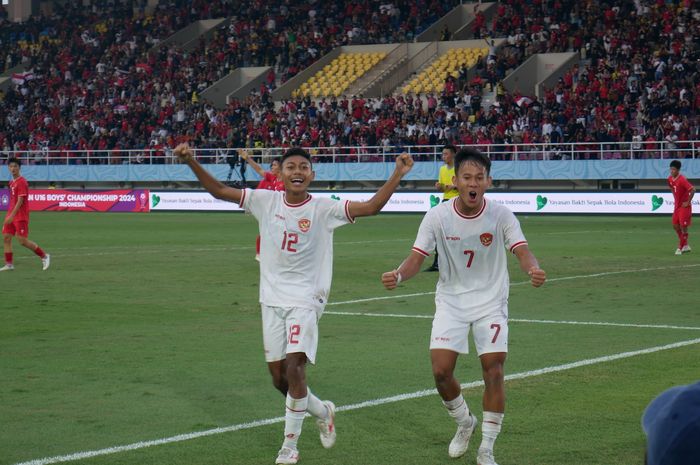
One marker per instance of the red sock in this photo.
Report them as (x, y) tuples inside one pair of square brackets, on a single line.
[(39, 252), (684, 240), (8, 258), (257, 245)]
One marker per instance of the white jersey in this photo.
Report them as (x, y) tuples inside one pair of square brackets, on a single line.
[(471, 256), (296, 247)]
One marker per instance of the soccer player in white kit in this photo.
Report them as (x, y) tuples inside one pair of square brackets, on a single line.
[(296, 266), (472, 235)]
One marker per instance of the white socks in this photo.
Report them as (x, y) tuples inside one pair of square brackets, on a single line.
[(295, 412), (293, 419), (490, 428), (457, 408), (316, 407)]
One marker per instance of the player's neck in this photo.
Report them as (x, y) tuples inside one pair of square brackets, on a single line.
[(16, 176), (294, 198), (465, 210)]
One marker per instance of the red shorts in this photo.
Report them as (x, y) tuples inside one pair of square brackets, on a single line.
[(682, 216), (16, 228)]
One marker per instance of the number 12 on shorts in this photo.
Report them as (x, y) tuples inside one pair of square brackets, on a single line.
[(294, 332)]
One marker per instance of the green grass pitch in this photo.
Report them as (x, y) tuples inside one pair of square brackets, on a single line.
[(147, 327)]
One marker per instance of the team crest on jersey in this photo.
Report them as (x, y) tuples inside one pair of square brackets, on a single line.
[(486, 239), (304, 225)]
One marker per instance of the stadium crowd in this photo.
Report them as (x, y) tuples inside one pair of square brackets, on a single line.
[(97, 83)]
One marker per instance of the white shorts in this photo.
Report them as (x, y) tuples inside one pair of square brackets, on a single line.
[(451, 332), (287, 330)]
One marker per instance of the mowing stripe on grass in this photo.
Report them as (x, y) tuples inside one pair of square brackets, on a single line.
[(158, 249), (520, 283), (520, 320), (368, 403)]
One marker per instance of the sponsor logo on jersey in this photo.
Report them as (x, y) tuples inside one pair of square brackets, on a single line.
[(453, 238), (486, 239), (304, 225)]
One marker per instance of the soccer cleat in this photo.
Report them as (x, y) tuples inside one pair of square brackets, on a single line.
[(287, 455), (686, 248), (8, 267), (679, 252), (257, 257), (459, 443), (45, 262), (326, 428), (485, 457)]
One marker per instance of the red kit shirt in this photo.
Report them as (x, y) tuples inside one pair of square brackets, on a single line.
[(19, 188), (271, 183), (681, 190)]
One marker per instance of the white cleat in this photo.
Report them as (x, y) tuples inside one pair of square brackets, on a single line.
[(287, 455), (460, 443), (45, 262), (8, 267), (326, 427), (485, 457), (686, 249), (679, 252), (257, 257)]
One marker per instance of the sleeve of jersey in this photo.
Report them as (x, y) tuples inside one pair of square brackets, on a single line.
[(426, 238), (338, 212), (23, 189), (514, 236), (255, 201)]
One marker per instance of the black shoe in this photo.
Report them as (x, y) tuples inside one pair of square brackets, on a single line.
[(432, 268)]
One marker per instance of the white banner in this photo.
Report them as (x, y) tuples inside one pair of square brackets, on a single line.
[(531, 202)]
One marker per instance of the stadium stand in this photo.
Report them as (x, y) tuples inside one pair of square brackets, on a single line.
[(100, 82)]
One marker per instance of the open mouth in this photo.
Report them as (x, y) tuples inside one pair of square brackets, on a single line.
[(297, 181), (472, 195)]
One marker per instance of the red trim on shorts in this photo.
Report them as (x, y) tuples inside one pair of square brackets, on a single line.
[(240, 204), (422, 252), (517, 244), (295, 205), (483, 207)]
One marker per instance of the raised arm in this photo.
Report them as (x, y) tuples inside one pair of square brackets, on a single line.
[(184, 153), (258, 169), (404, 163), (408, 269), (528, 263)]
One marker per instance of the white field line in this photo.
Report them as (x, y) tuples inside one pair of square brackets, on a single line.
[(360, 405), (520, 320), (520, 283)]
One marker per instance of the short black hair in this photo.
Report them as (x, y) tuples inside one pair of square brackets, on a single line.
[(474, 156), (676, 164), (450, 147), (14, 160), (295, 151)]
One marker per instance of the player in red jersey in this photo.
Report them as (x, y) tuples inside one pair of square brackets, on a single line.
[(17, 219), (271, 181), (683, 193)]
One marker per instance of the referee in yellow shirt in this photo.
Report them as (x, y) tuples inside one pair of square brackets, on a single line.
[(444, 185)]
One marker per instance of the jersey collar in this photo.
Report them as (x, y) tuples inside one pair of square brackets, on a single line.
[(295, 205), (461, 215)]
